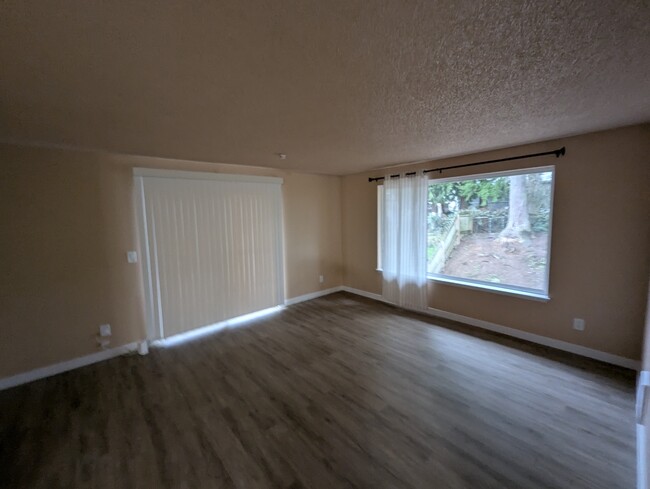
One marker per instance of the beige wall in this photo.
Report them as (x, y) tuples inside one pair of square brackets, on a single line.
[(600, 243), (67, 220)]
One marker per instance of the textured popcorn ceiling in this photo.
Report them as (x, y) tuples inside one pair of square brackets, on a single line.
[(340, 86)]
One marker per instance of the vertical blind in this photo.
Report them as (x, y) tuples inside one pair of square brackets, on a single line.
[(213, 246)]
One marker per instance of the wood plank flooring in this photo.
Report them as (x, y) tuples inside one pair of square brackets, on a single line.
[(338, 392)]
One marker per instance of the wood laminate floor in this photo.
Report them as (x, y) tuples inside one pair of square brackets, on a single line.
[(338, 392)]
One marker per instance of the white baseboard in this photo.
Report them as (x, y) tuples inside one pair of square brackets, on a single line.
[(311, 295), (516, 333), (643, 430), (57, 368), (541, 340), (642, 455), (41, 373), (363, 293)]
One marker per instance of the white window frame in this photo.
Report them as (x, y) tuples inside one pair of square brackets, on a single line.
[(515, 290)]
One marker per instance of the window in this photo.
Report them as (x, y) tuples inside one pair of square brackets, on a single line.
[(491, 231)]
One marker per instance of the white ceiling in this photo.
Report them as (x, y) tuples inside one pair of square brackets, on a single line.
[(340, 86)]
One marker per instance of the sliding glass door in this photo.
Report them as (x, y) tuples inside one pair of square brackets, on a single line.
[(212, 245)]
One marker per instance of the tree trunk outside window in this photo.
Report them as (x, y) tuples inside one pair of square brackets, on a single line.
[(518, 226)]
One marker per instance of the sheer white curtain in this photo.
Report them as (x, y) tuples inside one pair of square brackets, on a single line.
[(404, 241)]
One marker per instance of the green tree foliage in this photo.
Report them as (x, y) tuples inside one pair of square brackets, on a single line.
[(486, 190), (442, 192)]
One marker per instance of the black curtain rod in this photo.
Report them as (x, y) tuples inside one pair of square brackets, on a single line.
[(557, 153)]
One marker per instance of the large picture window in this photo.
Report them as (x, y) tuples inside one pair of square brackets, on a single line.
[(491, 231)]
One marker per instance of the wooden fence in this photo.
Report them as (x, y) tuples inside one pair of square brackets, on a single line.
[(449, 240)]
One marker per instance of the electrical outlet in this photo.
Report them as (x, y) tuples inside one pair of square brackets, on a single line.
[(578, 324), (105, 330), (132, 256), (322, 279)]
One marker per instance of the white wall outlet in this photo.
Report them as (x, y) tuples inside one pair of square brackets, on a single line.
[(105, 330), (321, 279), (132, 256), (579, 324)]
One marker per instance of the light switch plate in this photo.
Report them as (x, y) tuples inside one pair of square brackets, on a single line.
[(132, 256)]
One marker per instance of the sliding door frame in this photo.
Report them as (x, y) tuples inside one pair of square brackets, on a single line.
[(149, 265)]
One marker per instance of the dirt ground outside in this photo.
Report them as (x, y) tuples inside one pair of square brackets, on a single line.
[(481, 256)]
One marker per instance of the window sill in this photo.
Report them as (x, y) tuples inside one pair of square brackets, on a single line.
[(522, 294)]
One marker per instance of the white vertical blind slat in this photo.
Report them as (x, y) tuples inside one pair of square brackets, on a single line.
[(215, 248)]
